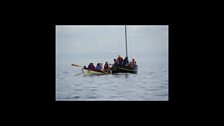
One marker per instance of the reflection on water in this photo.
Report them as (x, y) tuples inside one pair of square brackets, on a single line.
[(126, 75), (120, 75)]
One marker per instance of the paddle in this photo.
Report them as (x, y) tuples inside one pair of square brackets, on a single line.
[(78, 74), (76, 65), (104, 72)]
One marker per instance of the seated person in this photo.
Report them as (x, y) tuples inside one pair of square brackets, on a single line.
[(125, 62), (132, 63), (106, 66), (98, 66), (91, 66), (119, 60), (115, 62)]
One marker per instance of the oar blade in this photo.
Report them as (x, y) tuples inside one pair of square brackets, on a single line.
[(76, 65)]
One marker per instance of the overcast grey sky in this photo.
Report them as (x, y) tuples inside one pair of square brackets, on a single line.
[(73, 39)]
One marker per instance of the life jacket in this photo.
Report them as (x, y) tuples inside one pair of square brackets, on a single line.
[(106, 66), (119, 58), (134, 62)]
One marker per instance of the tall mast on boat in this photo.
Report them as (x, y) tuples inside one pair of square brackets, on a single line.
[(126, 42)]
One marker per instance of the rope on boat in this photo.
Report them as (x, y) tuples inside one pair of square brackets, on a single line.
[(126, 69)]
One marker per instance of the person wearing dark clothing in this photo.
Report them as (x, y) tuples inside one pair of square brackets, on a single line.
[(115, 62), (121, 61), (125, 62), (91, 66)]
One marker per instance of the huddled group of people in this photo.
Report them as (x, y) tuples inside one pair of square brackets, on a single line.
[(99, 66), (118, 61), (124, 62)]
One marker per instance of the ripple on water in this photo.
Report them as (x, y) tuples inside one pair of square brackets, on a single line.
[(92, 90), (65, 72), (76, 97), (164, 94), (78, 90), (91, 97)]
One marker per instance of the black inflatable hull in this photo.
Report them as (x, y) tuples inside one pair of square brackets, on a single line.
[(124, 69)]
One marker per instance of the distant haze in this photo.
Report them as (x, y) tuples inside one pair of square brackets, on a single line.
[(75, 39)]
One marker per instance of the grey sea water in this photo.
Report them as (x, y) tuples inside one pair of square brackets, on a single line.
[(150, 84)]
